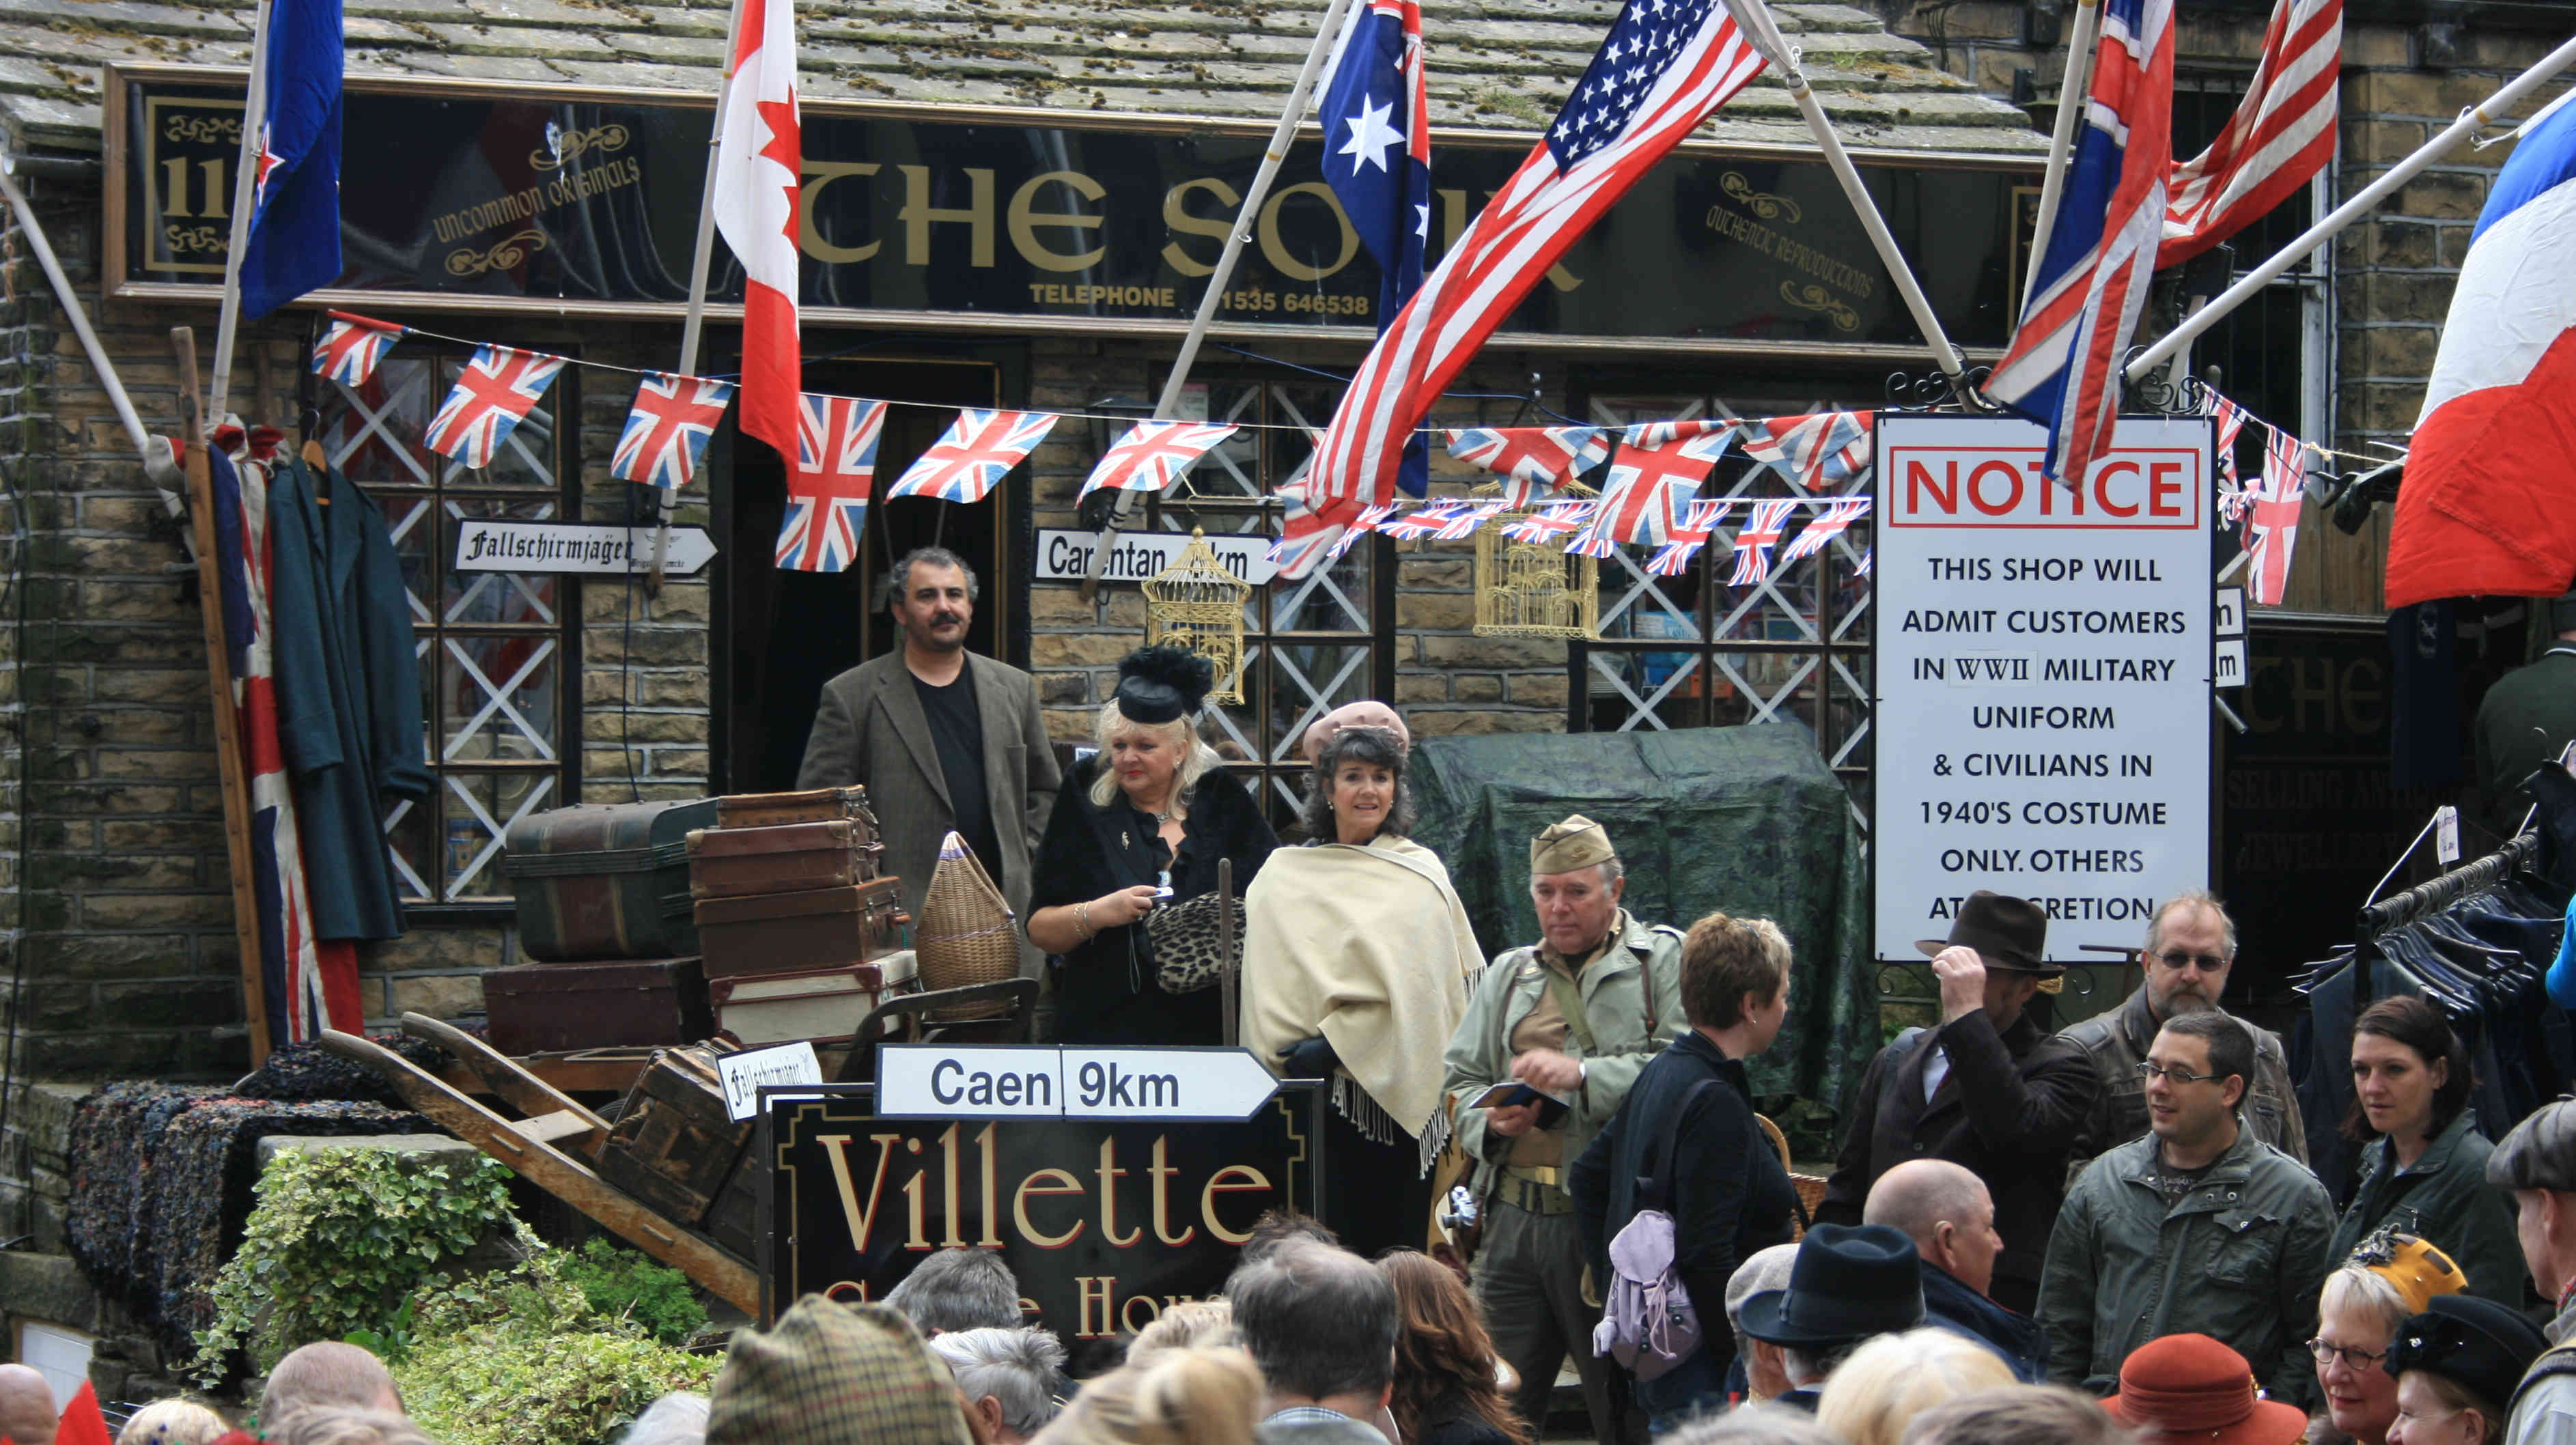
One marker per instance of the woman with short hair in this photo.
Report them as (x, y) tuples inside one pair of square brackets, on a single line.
[(2423, 1168), (2457, 1366), (2387, 1278), (1207, 1396)]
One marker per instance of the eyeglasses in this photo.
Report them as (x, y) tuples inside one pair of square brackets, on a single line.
[(2176, 958), (2149, 1070), (2353, 1359)]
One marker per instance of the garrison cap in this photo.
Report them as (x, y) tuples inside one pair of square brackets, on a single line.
[(1578, 842)]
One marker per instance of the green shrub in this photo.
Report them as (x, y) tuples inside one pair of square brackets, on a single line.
[(628, 1284), (541, 1389)]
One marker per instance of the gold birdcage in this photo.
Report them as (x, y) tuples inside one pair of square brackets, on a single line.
[(1534, 590), (1196, 603)]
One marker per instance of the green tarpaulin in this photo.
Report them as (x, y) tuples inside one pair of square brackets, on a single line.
[(1744, 820)]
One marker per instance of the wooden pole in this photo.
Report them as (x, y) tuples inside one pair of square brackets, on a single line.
[(228, 752)]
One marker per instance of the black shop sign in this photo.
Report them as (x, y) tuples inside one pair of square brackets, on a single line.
[(965, 218)]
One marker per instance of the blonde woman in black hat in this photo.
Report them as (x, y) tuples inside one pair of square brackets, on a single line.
[(1140, 825)]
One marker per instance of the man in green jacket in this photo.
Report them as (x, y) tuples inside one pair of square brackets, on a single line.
[(1574, 1017), (2199, 1228)]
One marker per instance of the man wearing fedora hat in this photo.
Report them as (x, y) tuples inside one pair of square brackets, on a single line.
[(1988, 1090), (1847, 1286)]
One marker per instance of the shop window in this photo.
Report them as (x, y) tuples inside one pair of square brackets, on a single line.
[(1309, 645), (498, 651)]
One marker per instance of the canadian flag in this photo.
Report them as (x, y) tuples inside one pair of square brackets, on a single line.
[(759, 159)]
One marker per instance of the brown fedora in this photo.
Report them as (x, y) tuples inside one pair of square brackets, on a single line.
[(2007, 932)]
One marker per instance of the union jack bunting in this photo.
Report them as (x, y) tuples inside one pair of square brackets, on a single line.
[(1551, 522), (2282, 134), (1755, 539), (1368, 521), (1153, 454), (1662, 68), (1415, 525), (499, 386), (2274, 517), (352, 345), (1531, 460), (1819, 451), (2061, 369), (667, 430), (1312, 530), (1868, 558), (2231, 422), (980, 448), (827, 493), (1711, 433), (1675, 557), (1463, 523), (1825, 526), (1648, 490)]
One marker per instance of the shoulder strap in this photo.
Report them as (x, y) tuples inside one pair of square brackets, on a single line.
[(2552, 1364), (1569, 1002), (1659, 1190), (1646, 973)]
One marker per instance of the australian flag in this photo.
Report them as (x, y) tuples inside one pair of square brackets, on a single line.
[(295, 189), (1377, 159)]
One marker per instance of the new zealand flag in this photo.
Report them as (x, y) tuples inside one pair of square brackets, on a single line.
[(294, 242)]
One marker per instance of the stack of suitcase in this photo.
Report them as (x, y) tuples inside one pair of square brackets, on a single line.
[(801, 935), (604, 905)]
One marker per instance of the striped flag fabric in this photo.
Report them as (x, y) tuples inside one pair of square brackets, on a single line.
[(1648, 490), (2274, 517), (979, 449), (667, 429), (1820, 451), (352, 346), (2282, 134), (498, 387), (2061, 368), (1755, 539), (827, 489), (1675, 557), (1531, 460), (1313, 529), (1711, 434), (1153, 454), (1552, 522), (1663, 67), (1824, 527)]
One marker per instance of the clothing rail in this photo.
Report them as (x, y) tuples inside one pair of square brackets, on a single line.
[(2417, 902)]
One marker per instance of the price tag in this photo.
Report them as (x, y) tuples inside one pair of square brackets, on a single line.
[(2446, 834)]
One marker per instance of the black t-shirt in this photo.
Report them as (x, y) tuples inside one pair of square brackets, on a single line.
[(957, 729)]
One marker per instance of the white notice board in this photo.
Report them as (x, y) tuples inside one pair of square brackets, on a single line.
[(2043, 719)]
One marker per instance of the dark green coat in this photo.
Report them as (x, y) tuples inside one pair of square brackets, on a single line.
[(2443, 1198), (2527, 716)]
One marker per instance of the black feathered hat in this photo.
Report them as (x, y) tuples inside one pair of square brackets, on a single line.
[(1162, 684)]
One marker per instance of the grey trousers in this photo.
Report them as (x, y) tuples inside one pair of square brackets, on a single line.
[(1529, 1279)]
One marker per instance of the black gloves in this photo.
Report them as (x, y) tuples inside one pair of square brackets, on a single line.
[(1308, 1059)]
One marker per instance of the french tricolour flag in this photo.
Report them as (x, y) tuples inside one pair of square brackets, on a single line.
[(2488, 505)]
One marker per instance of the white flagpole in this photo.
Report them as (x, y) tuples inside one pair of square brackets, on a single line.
[(1291, 116), (2486, 112), (699, 261), (245, 170), (2072, 88), (1766, 37)]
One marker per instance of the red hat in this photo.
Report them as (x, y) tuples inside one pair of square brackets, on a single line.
[(2192, 1388)]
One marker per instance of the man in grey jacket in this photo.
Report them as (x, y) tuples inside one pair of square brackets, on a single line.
[(2536, 1164), (2199, 1228), (1321, 1323)]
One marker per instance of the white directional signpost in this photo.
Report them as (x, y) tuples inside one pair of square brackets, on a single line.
[(1004, 1081), (1064, 555), (484, 545)]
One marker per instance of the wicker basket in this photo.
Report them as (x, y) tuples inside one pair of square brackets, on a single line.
[(1810, 1187), (965, 934)]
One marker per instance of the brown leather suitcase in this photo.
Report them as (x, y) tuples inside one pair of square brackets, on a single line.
[(814, 805), (788, 858), (800, 932), (759, 1009), (605, 882), (675, 1149), (551, 1007)]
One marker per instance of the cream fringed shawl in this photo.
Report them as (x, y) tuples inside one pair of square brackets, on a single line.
[(1370, 947)]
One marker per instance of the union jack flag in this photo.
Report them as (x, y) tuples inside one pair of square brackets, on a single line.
[(1369, 519), (827, 493), (667, 430), (1531, 460), (1868, 558), (1313, 531), (1819, 451), (1755, 539), (352, 345), (1424, 521), (1710, 433), (2282, 134), (1153, 454), (2061, 369), (1663, 67), (1551, 522), (1675, 557), (1825, 526), (1463, 523), (499, 386), (2274, 517), (1649, 488), (979, 449), (2231, 423)]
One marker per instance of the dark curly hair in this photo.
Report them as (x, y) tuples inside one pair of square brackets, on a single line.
[(2420, 1027), (1375, 746), (1442, 1349)]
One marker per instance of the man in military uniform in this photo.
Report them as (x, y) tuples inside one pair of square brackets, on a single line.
[(2526, 719), (1575, 1017)]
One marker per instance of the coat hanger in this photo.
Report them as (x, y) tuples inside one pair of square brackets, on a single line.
[(309, 422)]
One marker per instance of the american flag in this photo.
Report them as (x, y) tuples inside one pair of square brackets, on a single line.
[(1755, 539), (1368, 521), (1153, 454), (352, 345), (1551, 522), (1676, 556), (827, 493), (2282, 134), (1531, 460), (667, 430), (1819, 451), (1664, 66), (497, 387), (2061, 369), (2275, 516), (1825, 526), (1648, 490), (979, 449)]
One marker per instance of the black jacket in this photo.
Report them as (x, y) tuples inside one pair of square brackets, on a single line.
[(2010, 1112), (1454, 1422), (1949, 1304), (1730, 1197), (1106, 992)]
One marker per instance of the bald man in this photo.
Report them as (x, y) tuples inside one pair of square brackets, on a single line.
[(26, 1407), (1949, 1215)]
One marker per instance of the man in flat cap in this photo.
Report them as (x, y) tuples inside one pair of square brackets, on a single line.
[(1988, 1090), (1574, 1017), (2536, 1164)]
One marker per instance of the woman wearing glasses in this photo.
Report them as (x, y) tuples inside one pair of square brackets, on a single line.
[(2423, 1169), (2456, 1365), (2390, 1277)]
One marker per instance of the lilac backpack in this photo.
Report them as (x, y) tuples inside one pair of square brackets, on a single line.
[(1648, 1323)]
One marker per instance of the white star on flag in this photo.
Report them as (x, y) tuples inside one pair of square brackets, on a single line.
[(1371, 136)]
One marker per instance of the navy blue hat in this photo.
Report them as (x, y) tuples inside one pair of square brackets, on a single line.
[(2474, 1343), (1162, 684), (1848, 1282)]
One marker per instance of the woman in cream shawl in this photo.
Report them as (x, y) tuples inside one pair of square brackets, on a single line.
[(1357, 963)]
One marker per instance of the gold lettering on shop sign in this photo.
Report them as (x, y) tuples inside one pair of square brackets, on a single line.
[(1100, 1288), (1064, 1183), (861, 1218), (1812, 297), (1110, 1174), (1161, 1173), (1247, 1179), (202, 129), (1761, 203), (918, 215), (1277, 253), (1826, 274), (1177, 217), (501, 256), (819, 174), (525, 203), (571, 145), (1024, 220)]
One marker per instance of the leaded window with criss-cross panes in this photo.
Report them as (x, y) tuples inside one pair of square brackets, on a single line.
[(499, 670)]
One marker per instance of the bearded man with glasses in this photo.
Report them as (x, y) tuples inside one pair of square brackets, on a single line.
[(2198, 1228), (2191, 945)]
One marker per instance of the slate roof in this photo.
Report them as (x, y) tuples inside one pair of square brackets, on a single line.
[(1496, 65)]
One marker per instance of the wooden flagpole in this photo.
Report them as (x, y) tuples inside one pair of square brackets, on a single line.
[(228, 752), (245, 194), (2073, 86)]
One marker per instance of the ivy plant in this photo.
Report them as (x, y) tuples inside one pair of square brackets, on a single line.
[(628, 1284), (531, 1388)]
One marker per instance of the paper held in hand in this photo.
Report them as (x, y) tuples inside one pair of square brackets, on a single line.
[(1512, 1093)]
